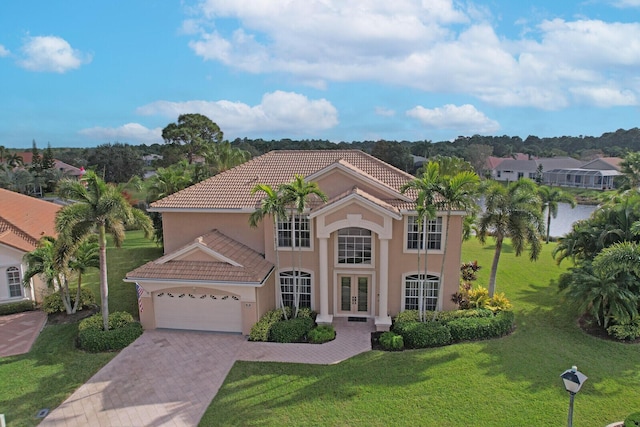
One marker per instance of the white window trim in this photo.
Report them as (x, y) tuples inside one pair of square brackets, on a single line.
[(20, 276), (336, 249), (302, 270), (404, 287), (405, 238), (301, 248)]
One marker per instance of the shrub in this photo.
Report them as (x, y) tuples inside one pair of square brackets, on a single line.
[(447, 316), (476, 328), (123, 330), (391, 341), (16, 307), (306, 312), (499, 303), (478, 297), (53, 303), (322, 334), (423, 335), (633, 420), (408, 316), (260, 331), (292, 330), (628, 330)]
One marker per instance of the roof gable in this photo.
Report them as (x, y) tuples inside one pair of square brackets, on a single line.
[(24, 220)]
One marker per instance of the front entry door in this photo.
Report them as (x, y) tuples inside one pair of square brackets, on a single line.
[(354, 294)]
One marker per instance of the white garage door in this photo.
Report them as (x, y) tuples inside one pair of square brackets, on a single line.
[(202, 312)]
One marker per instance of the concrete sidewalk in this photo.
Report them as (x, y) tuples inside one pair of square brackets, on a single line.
[(168, 378)]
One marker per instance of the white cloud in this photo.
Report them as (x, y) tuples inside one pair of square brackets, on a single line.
[(605, 96), (385, 112), (129, 133), (440, 46), (51, 54), (626, 3), (4, 51), (278, 112), (465, 118)]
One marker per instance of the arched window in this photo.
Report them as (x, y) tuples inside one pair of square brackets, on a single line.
[(287, 283), (15, 282), (420, 293)]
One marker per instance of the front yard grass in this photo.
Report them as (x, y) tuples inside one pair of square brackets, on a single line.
[(504, 382), (54, 368)]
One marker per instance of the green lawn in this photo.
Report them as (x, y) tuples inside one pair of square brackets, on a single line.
[(513, 381), (54, 368)]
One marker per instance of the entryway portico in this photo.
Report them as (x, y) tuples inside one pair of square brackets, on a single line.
[(358, 272)]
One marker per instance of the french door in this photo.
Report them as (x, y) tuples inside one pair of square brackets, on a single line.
[(354, 293)]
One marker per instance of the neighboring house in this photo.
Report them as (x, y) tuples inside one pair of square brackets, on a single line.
[(358, 251), (23, 221), (514, 169), (598, 174), (65, 168)]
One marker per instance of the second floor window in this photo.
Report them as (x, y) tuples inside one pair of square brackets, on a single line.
[(286, 227), (432, 233), (354, 246)]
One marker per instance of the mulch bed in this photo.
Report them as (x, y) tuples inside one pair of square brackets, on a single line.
[(589, 325), (64, 318)]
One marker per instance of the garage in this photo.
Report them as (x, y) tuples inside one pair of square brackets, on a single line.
[(211, 311)]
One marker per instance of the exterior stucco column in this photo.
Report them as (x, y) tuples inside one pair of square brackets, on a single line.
[(323, 278), (383, 321)]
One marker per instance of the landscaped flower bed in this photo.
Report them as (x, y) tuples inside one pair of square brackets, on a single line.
[(279, 326)]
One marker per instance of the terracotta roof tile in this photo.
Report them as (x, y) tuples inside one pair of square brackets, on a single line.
[(253, 267), (24, 220), (232, 189)]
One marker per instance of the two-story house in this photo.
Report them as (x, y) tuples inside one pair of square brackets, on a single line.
[(354, 256)]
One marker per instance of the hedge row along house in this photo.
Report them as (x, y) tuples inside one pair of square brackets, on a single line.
[(354, 255)]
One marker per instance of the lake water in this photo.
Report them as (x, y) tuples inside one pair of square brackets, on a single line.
[(561, 224)]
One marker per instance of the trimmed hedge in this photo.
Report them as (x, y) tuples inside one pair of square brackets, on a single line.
[(123, 330), (454, 326), (17, 307), (321, 334), (53, 303), (423, 335), (442, 316), (292, 330), (261, 331), (467, 329)]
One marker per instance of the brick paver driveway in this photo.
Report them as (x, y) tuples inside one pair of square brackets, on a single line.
[(168, 378)]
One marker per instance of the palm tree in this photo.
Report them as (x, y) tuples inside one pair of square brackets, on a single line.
[(48, 262), (550, 197), (457, 192), (271, 205), (622, 257), (223, 156), (100, 209), (14, 160), (513, 211), (296, 195), (86, 256), (426, 187)]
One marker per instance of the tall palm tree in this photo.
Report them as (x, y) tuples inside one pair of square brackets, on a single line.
[(550, 197), (100, 209), (296, 195), (457, 192), (223, 156), (425, 187), (513, 211), (271, 205), (14, 160)]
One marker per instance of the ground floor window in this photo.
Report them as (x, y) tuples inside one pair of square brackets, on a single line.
[(288, 288), (15, 282), (421, 294)]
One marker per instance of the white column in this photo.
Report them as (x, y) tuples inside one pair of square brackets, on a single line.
[(323, 281), (383, 321)]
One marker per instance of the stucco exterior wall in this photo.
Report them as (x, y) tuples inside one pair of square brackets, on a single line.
[(11, 257)]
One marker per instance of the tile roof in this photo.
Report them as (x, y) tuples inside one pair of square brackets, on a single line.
[(251, 267), (389, 205), (232, 189), (24, 220)]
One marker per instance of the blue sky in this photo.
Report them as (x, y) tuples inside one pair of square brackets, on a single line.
[(79, 73)]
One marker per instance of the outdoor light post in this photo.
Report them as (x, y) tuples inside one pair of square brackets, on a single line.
[(573, 380)]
